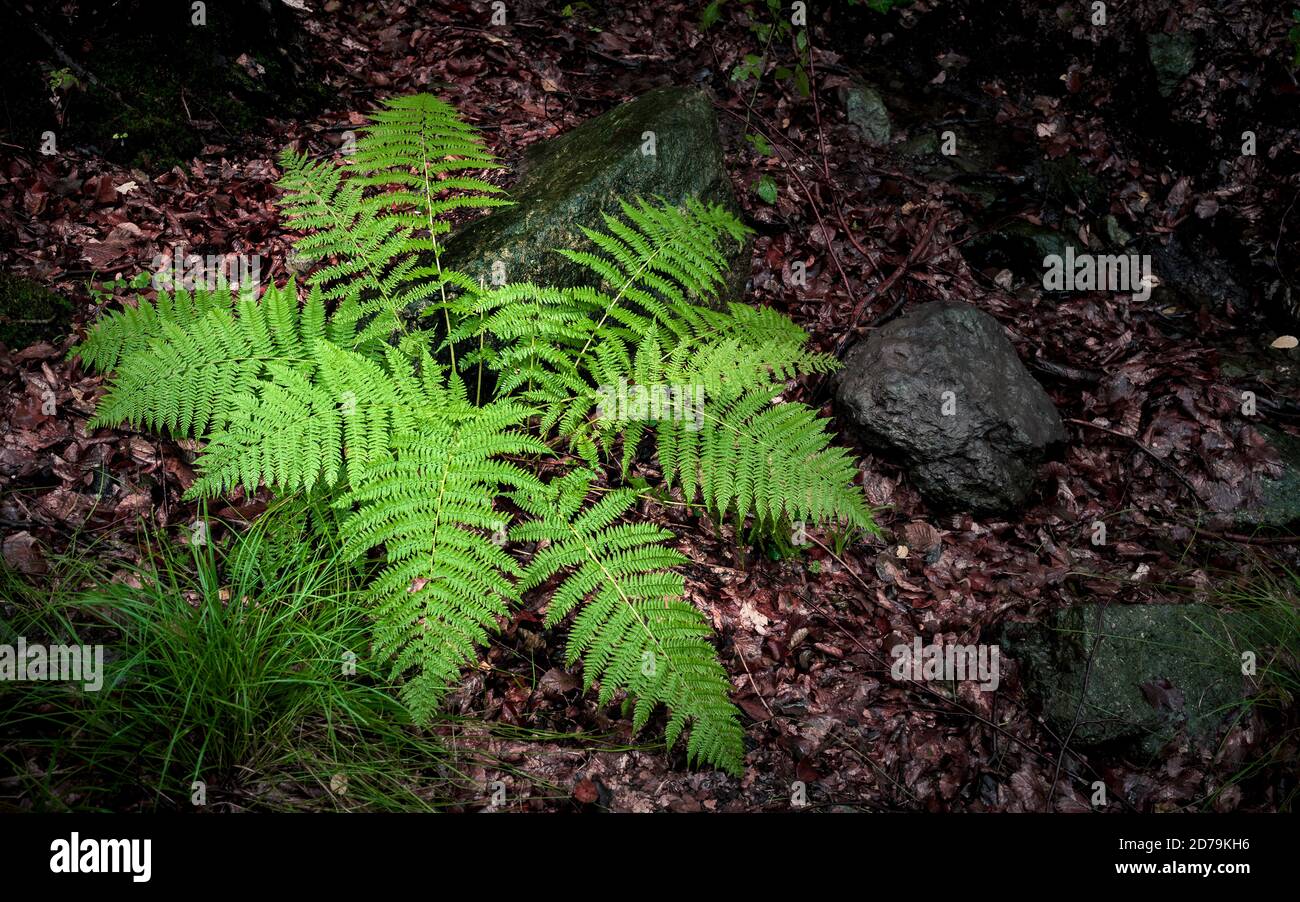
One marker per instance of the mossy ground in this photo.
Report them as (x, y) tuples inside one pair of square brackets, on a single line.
[(30, 312), (147, 97)]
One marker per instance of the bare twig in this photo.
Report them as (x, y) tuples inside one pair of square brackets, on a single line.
[(1142, 446), (1078, 710)]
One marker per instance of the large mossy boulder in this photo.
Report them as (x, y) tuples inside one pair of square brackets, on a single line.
[(663, 144), (1154, 669)]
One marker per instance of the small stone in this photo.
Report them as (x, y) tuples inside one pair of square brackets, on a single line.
[(867, 112)]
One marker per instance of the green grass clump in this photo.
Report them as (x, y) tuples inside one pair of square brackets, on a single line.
[(1265, 624), (243, 664)]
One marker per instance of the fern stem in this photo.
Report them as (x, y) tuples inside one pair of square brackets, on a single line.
[(478, 376), (433, 239), (613, 581), (375, 275), (627, 283)]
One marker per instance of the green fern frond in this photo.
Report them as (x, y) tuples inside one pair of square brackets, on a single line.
[(377, 230), (284, 433), (191, 379), (124, 332), (308, 425), (366, 254), (657, 257), (729, 352), (428, 503), (557, 348), (771, 460), (413, 148), (632, 631)]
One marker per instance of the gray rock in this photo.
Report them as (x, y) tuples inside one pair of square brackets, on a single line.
[(1156, 668), (867, 112), (982, 456), (566, 182), (1172, 56)]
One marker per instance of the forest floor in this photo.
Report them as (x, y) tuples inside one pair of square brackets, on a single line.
[(805, 638)]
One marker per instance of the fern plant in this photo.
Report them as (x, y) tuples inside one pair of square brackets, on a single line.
[(353, 389)]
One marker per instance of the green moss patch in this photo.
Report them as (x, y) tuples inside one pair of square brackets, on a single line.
[(30, 312)]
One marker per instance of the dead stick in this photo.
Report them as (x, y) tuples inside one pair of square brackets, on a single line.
[(1148, 451)]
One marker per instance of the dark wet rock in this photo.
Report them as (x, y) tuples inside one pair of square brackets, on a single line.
[(1067, 181), (567, 182), (975, 449), (1173, 56), (1192, 273), (1020, 246), (1155, 668), (30, 312), (866, 111)]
